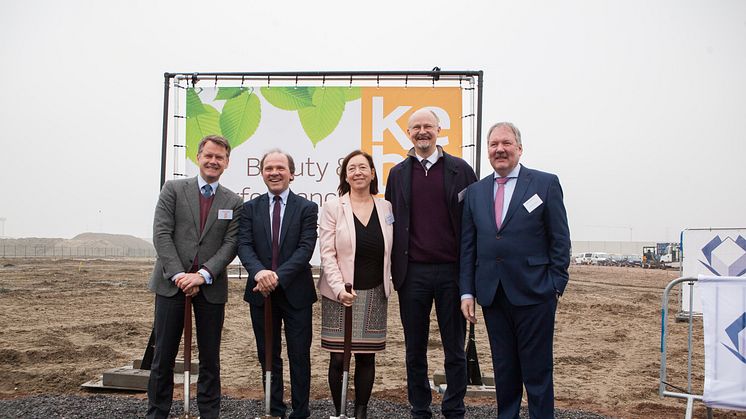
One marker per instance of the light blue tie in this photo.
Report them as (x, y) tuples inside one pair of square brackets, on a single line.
[(207, 191)]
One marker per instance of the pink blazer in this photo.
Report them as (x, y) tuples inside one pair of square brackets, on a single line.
[(337, 244)]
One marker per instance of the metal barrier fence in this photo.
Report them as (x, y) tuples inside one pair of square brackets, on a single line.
[(683, 393), (62, 252)]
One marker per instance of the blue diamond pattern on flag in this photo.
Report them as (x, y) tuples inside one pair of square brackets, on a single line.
[(725, 257)]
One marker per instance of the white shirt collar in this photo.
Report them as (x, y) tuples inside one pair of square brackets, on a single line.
[(432, 158), (283, 196), (513, 173), (201, 182)]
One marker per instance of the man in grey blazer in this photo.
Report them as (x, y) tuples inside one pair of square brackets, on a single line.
[(194, 234)]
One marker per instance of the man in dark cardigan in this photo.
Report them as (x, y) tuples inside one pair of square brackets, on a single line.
[(426, 192)]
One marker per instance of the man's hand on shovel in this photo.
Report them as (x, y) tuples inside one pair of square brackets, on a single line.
[(266, 282)]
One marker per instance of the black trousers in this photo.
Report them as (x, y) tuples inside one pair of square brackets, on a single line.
[(424, 284), (521, 344), (169, 325), (298, 335)]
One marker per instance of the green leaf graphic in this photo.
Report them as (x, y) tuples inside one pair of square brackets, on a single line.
[(322, 119), (288, 98), (352, 93), (200, 126), (225, 93), (240, 118), (194, 105)]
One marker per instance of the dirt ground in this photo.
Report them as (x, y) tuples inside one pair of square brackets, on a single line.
[(63, 322)]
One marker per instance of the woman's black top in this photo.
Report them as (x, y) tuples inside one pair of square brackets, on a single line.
[(368, 253)]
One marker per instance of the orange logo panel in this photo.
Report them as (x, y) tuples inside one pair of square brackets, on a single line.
[(386, 110)]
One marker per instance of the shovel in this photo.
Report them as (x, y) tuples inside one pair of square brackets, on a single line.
[(187, 354), (267, 357), (472, 362), (346, 359)]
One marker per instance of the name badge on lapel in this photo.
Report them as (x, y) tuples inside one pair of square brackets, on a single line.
[(389, 219), (533, 203), (225, 214)]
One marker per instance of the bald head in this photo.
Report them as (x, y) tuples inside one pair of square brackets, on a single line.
[(423, 128), (424, 112)]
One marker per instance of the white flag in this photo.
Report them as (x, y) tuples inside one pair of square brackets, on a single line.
[(724, 312)]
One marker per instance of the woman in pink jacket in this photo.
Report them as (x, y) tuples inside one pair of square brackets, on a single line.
[(355, 236)]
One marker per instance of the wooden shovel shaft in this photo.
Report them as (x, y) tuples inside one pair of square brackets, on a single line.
[(187, 349), (348, 333), (268, 336)]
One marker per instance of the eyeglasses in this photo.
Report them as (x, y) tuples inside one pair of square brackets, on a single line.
[(425, 127), (363, 168)]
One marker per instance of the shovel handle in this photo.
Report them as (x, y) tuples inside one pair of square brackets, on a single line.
[(188, 333), (348, 332), (268, 336), (187, 351)]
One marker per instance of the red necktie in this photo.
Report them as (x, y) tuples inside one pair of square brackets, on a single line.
[(499, 198), (276, 233)]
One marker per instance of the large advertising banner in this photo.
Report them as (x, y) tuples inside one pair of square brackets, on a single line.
[(317, 126), (710, 252)]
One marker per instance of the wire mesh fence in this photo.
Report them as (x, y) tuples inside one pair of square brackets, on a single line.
[(23, 251)]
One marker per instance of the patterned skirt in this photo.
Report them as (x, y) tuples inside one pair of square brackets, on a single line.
[(368, 322)]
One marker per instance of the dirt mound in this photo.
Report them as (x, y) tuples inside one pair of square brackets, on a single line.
[(107, 240)]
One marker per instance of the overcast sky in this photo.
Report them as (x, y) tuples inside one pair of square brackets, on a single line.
[(638, 106)]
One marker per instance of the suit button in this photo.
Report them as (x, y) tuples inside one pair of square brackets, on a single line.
[(498, 237), (406, 252), (498, 260)]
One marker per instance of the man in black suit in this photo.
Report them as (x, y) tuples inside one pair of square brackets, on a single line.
[(285, 276), (194, 234), (425, 191)]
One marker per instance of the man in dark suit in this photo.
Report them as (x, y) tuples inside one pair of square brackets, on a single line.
[(515, 251), (194, 234), (285, 277), (425, 191)]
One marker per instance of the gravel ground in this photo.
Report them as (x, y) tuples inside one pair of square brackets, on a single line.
[(125, 407)]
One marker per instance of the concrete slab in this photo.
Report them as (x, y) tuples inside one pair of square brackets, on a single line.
[(128, 378), (439, 377), (178, 366), (480, 391), (471, 391)]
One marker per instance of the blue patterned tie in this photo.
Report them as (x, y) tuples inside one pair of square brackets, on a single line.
[(207, 191)]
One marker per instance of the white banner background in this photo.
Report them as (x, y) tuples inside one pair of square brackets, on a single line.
[(724, 305)]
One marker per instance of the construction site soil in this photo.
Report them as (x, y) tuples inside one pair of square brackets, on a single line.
[(63, 322)]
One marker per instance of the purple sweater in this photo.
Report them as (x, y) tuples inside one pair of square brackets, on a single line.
[(431, 235)]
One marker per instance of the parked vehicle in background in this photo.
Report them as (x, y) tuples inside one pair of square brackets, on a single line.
[(616, 260), (584, 258), (633, 260), (599, 258), (592, 258)]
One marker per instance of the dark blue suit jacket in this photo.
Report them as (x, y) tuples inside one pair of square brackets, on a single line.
[(297, 242), (531, 252)]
